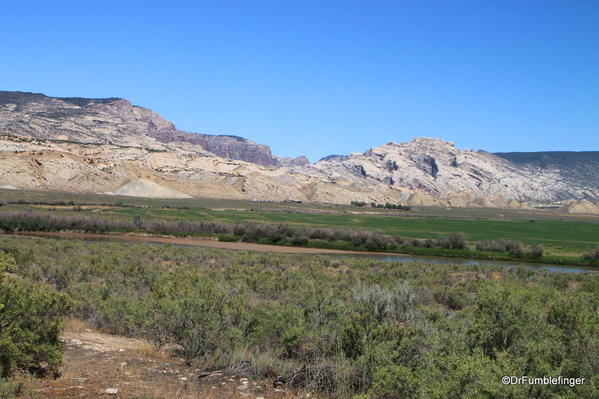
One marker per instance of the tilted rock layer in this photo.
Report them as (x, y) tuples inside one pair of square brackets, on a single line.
[(459, 177), (111, 121), (112, 146)]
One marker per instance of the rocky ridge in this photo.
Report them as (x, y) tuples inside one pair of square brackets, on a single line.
[(112, 146), (112, 121), (458, 177)]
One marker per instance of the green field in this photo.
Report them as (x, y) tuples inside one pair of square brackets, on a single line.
[(12, 196), (559, 234)]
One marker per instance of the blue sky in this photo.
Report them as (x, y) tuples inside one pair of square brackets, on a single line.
[(323, 77)]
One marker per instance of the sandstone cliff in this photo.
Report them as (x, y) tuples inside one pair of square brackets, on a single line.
[(458, 177), (112, 146), (111, 121)]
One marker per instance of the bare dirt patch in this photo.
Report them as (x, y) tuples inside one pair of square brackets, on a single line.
[(97, 364)]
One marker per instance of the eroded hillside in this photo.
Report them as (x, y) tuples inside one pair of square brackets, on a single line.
[(112, 146)]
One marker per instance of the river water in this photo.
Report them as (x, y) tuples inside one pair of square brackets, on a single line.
[(469, 262)]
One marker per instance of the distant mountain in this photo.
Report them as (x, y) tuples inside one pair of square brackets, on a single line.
[(578, 167), (288, 162), (111, 120), (111, 146), (334, 157), (553, 158), (460, 177)]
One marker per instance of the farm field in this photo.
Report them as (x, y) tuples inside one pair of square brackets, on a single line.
[(559, 234), (31, 197)]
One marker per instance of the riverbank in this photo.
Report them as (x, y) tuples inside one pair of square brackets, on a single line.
[(214, 243), (306, 239)]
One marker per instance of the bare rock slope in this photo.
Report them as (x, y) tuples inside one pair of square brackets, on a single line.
[(459, 177), (112, 146), (111, 121)]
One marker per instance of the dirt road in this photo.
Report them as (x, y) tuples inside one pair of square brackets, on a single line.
[(195, 242)]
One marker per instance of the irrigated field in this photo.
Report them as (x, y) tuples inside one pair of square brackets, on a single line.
[(558, 237)]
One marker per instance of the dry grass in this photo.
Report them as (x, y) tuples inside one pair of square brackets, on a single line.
[(75, 325), (147, 349)]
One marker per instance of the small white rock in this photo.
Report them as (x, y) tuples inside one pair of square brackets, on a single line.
[(111, 391), (243, 387)]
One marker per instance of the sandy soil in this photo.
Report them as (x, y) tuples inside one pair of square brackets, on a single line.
[(96, 362)]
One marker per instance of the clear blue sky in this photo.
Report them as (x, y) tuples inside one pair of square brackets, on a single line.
[(322, 77)]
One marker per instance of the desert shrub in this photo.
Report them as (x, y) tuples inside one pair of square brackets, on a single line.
[(401, 241), (394, 381), (384, 304), (455, 241), (592, 255), (238, 229), (10, 389), (430, 243), (514, 248), (299, 238), (352, 338), (378, 242), (417, 243), (348, 328), (360, 237), (454, 298), (536, 251), (192, 310), (458, 241), (253, 232), (507, 320), (31, 321), (321, 234), (490, 246)]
